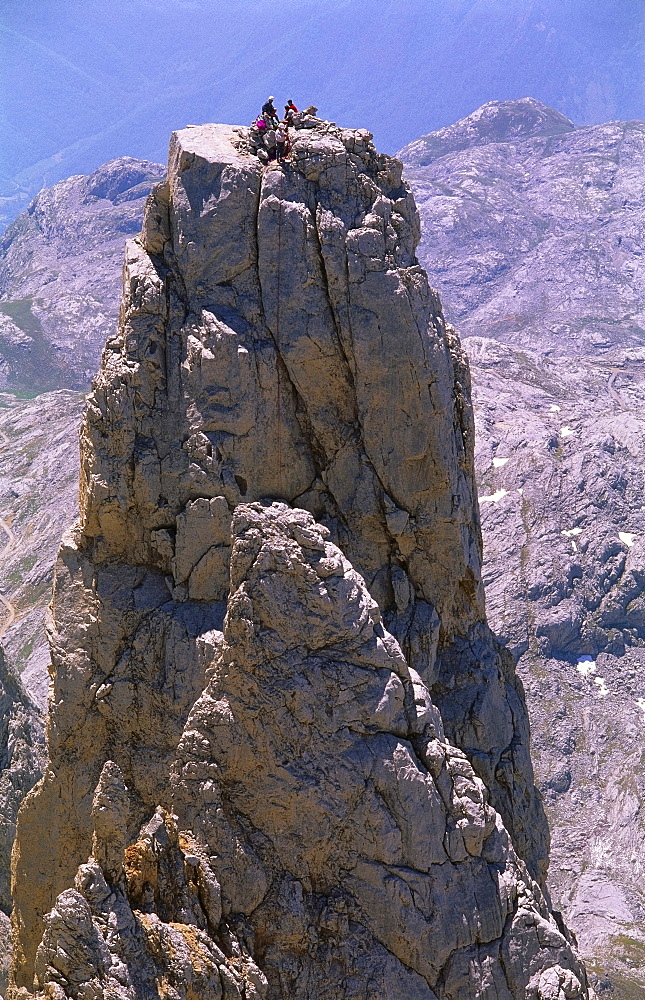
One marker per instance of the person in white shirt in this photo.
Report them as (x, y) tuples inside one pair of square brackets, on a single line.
[(281, 140)]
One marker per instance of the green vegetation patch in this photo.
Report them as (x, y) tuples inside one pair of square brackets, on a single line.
[(19, 312), (26, 651), (26, 563), (35, 595), (616, 985), (33, 369), (629, 949)]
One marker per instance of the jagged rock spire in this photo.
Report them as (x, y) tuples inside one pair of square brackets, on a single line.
[(284, 420)]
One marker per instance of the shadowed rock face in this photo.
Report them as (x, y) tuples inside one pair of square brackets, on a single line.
[(22, 758), (279, 340)]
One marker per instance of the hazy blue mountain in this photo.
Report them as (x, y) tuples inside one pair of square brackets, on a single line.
[(532, 227), (60, 275), (84, 83)]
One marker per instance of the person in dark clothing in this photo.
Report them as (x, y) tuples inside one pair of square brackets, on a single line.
[(270, 112)]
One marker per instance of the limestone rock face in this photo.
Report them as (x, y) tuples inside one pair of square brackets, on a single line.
[(340, 766), (283, 300), (335, 845), (94, 944)]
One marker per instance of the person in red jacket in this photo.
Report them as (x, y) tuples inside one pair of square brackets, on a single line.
[(290, 111)]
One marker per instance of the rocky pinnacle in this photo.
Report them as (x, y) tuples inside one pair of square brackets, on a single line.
[(288, 757)]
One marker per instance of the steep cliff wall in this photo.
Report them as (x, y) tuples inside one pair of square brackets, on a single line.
[(22, 761), (278, 341)]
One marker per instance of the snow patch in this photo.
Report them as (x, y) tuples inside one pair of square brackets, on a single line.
[(494, 497), (603, 690), (554, 408), (586, 665), (499, 462), (627, 538), (566, 432), (568, 534), (641, 704)]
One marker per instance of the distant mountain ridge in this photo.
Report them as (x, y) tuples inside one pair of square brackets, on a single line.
[(60, 275), (497, 121), (532, 227), (396, 67)]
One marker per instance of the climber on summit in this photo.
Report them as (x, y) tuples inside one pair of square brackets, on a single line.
[(269, 112), (281, 141), (290, 112)]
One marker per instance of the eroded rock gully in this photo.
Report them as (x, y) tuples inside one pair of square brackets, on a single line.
[(280, 729)]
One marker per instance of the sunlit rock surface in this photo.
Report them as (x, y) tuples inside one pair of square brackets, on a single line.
[(278, 341)]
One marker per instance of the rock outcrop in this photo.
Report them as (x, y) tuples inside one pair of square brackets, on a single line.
[(335, 839), (280, 728)]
